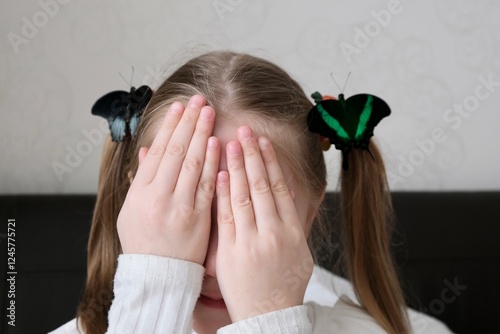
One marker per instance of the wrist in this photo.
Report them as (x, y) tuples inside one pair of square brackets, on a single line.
[(292, 319), (259, 308)]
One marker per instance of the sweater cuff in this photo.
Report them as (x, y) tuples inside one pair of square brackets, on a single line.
[(155, 267), (292, 320)]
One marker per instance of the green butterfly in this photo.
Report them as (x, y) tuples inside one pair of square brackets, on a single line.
[(347, 123)]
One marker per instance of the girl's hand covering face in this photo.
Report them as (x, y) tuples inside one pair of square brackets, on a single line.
[(263, 260), (167, 208)]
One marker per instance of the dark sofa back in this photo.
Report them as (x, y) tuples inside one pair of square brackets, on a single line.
[(447, 246)]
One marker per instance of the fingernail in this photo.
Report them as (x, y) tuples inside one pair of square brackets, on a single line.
[(213, 144), (245, 132), (207, 113), (263, 142), (234, 148), (176, 108), (197, 101), (222, 177)]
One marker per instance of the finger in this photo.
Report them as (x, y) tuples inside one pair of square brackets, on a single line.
[(225, 217), (195, 157), (149, 166), (282, 198), (241, 202), (206, 185), (171, 163), (260, 192)]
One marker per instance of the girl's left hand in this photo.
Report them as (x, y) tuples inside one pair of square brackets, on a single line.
[(263, 261)]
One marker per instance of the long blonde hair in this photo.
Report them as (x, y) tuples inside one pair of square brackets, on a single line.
[(275, 104)]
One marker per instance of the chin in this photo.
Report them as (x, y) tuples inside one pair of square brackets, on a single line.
[(209, 317)]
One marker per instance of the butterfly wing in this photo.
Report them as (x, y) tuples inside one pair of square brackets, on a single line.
[(332, 122), (113, 107), (117, 127), (349, 121), (111, 104), (365, 111), (140, 98), (134, 123)]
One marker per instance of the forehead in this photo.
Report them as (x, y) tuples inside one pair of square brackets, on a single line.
[(226, 131)]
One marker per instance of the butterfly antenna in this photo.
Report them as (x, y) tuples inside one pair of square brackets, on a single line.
[(131, 77), (346, 80), (345, 85), (124, 78), (331, 74)]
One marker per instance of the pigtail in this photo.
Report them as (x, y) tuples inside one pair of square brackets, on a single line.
[(104, 245), (367, 209)]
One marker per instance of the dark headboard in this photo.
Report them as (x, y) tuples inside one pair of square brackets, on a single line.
[(447, 246)]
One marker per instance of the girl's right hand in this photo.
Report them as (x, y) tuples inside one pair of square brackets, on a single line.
[(167, 208)]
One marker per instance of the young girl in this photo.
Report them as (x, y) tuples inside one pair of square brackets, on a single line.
[(202, 217)]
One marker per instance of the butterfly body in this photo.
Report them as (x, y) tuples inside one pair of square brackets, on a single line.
[(123, 110), (348, 123)]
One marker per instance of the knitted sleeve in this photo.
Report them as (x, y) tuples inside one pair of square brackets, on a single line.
[(154, 294), (292, 320)]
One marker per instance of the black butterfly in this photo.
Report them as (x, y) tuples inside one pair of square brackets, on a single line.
[(347, 123), (123, 110)]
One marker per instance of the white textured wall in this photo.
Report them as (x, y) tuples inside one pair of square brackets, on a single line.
[(425, 60)]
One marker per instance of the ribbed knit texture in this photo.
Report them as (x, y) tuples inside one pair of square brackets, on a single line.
[(293, 320), (155, 295), (149, 287)]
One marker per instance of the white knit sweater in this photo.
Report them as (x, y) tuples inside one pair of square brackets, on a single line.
[(155, 294)]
